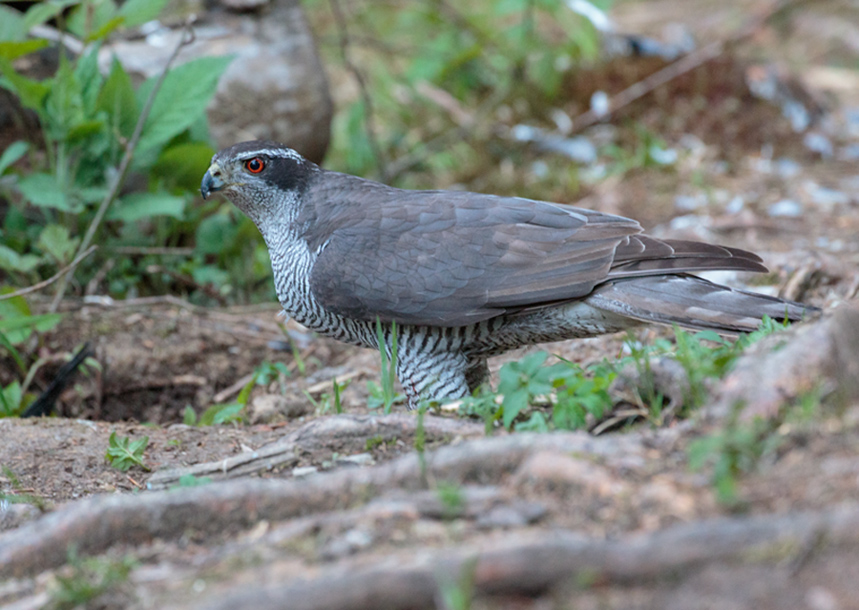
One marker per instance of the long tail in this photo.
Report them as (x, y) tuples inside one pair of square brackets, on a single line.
[(692, 302)]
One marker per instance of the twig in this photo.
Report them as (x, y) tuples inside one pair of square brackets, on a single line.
[(150, 251), (369, 119), (681, 66), (118, 179), (53, 278)]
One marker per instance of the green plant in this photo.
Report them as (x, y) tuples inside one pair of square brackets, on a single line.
[(458, 594), (331, 400), (572, 392), (95, 127), (435, 70), (451, 497), (740, 444), (189, 480), (19, 497), (123, 453), (226, 413), (88, 579), (384, 395)]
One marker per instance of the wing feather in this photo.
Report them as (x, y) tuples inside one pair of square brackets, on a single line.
[(452, 258)]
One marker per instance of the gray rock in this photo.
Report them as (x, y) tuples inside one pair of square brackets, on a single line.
[(275, 87)]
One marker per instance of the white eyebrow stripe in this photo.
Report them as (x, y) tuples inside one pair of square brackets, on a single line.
[(283, 153)]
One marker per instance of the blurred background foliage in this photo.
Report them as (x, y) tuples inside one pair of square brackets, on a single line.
[(428, 96)]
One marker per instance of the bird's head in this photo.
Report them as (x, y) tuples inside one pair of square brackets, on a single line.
[(260, 177)]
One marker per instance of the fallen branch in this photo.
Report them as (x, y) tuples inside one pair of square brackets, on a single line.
[(95, 524)]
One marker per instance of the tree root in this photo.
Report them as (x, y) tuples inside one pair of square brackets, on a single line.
[(532, 564), (95, 524)]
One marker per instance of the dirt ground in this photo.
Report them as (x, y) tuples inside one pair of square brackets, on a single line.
[(312, 509)]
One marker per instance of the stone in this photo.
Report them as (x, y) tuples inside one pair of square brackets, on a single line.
[(275, 88)]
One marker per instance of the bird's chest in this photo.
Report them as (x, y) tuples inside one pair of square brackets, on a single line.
[(292, 267)]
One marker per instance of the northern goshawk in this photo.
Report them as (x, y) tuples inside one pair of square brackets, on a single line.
[(465, 275)]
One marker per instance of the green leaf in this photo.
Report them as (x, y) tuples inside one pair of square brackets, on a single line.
[(189, 416), (93, 20), (43, 190), (183, 164), (182, 99), (11, 398), (18, 329), (13, 152), (146, 205), (513, 404), (229, 413), (117, 99), (89, 78), (54, 239), (21, 263), (215, 233), (64, 105), (30, 93), (40, 12), (123, 453), (137, 12), (13, 50), (11, 24)]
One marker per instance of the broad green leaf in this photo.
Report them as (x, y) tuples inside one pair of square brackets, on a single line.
[(13, 50), (30, 92), (40, 12), (12, 397), (183, 165), (182, 99), (145, 205), (89, 78), (13, 152), (228, 414), (215, 233), (43, 190), (137, 12), (90, 18), (84, 130), (55, 240), (11, 24), (64, 104), (117, 99), (14, 327), (106, 28)]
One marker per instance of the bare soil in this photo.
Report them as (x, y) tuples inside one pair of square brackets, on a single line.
[(312, 509)]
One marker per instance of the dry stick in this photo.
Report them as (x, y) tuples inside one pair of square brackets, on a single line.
[(119, 178), (369, 120), (53, 278), (678, 68)]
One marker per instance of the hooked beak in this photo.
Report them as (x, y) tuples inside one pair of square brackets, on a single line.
[(211, 181)]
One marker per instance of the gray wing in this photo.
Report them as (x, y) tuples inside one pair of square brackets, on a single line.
[(448, 258)]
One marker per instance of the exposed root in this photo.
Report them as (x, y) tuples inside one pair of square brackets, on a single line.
[(528, 564)]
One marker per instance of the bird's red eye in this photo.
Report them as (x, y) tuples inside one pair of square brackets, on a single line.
[(254, 165)]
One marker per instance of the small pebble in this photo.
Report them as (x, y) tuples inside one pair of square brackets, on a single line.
[(786, 208), (818, 143)]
